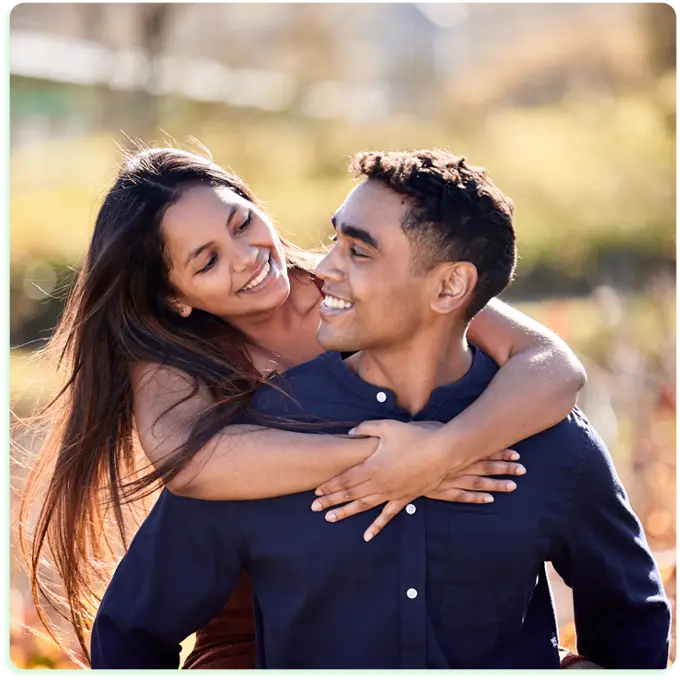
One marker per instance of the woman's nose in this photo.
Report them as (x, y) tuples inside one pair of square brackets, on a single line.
[(245, 256)]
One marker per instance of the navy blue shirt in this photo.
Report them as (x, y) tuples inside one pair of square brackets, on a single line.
[(444, 585)]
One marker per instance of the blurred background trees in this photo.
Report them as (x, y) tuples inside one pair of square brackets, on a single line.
[(571, 107)]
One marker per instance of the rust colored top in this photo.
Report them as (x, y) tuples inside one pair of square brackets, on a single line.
[(228, 641)]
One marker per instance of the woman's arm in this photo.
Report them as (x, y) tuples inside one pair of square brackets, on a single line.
[(245, 461), (536, 388), (242, 461)]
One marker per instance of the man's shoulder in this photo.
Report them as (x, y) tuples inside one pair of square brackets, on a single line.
[(300, 388), (171, 502), (314, 369), (598, 468), (575, 429), (574, 432), (196, 515), (573, 446)]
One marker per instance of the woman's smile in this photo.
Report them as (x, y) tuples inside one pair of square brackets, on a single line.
[(266, 274)]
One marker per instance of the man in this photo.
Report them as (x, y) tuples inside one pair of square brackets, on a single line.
[(422, 244)]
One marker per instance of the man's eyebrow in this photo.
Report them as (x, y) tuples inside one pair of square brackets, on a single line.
[(197, 251), (356, 233)]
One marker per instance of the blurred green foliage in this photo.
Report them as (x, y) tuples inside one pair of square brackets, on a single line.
[(587, 176), (593, 181)]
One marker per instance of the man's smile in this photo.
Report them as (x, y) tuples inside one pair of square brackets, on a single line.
[(332, 305)]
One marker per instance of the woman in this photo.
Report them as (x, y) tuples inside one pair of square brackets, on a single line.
[(187, 300)]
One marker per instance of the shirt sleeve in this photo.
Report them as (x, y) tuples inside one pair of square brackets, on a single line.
[(622, 615), (178, 573)]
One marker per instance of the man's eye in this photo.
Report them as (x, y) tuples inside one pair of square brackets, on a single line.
[(334, 238), (357, 253)]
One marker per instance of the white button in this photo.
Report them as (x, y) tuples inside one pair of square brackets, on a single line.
[(411, 593), (410, 508), (381, 397)]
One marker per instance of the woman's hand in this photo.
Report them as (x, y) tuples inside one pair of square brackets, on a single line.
[(410, 461), (469, 486)]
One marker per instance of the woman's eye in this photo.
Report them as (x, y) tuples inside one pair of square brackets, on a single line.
[(210, 264), (246, 223)]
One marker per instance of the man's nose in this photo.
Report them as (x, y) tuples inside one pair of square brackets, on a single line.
[(328, 269)]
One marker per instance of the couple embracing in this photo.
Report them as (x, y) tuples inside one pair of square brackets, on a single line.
[(241, 363)]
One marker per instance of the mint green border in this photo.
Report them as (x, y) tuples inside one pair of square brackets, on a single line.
[(7, 669)]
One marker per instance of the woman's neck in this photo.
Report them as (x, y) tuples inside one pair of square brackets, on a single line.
[(286, 336)]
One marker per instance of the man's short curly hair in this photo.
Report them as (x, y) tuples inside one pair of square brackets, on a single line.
[(457, 214)]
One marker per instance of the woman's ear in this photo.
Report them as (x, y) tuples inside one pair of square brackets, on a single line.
[(455, 285), (180, 308)]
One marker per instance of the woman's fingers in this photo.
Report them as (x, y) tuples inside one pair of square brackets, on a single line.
[(345, 481), (474, 483), (391, 510), (494, 467), (342, 496), (354, 508), (508, 454), (370, 428), (460, 496)]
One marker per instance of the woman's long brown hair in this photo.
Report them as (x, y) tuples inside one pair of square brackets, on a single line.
[(89, 468)]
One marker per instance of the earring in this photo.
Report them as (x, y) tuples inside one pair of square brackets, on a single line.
[(184, 311)]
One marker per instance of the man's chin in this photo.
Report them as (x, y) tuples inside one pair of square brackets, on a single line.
[(334, 343)]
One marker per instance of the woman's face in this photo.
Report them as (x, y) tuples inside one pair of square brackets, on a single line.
[(225, 255)]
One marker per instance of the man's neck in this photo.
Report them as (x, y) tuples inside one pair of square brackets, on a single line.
[(414, 369)]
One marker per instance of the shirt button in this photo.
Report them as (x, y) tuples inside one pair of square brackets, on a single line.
[(410, 508), (381, 397), (411, 593)]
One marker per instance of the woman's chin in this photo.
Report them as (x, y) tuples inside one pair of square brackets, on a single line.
[(279, 294), (264, 301)]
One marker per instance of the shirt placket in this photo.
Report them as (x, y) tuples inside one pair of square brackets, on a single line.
[(412, 586), (412, 571)]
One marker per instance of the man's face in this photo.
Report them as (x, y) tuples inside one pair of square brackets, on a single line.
[(373, 299)]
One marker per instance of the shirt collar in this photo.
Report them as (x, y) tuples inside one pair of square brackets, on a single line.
[(470, 386)]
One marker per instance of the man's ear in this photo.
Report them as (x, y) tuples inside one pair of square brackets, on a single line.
[(455, 284)]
